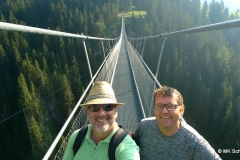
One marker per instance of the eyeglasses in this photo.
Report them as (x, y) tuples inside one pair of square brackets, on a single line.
[(169, 107), (105, 107)]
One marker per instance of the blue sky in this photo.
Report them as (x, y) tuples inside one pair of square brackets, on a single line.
[(232, 5)]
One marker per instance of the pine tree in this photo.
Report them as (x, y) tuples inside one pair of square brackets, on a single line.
[(99, 27), (204, 14), (36, 137), (3, 55), (17, 55), (12, 19), (76, 79), (25, 98), (62, 51)]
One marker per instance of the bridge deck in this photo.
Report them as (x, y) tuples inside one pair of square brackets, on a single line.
[(129, 115)]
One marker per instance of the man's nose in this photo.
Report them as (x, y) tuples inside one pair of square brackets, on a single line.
[(101, 111), (165, 110)]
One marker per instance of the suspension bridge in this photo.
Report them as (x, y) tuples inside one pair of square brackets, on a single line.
[(124, 68)]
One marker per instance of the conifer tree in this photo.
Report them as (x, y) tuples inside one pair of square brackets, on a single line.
[(12, 19), (62, 51), (99, 27), (3, 56), (25, 98), (76, 79), (17, 54), (204, 14), (36, 137)]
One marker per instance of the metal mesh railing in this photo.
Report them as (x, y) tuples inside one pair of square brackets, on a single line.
[(107, 71), (144, 82), (79, 121)]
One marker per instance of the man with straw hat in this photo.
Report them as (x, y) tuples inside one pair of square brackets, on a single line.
[(101, 107)]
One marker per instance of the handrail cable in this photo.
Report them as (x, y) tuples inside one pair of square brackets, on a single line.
[(216, 26), (22, 28)]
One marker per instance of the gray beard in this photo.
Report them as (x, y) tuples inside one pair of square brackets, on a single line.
[(104, 128)]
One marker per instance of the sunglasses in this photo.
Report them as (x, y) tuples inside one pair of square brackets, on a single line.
[(105, 107)]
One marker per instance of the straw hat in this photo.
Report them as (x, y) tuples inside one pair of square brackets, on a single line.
[(101, 93)]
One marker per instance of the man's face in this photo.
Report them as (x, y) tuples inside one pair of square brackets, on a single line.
[(102, 120), (168, 120)]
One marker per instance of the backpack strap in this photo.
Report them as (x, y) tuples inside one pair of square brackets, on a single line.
[(116, 139), (135, 139), (78, 141)]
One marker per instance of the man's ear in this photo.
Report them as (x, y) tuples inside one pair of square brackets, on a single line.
[(182, 109)]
